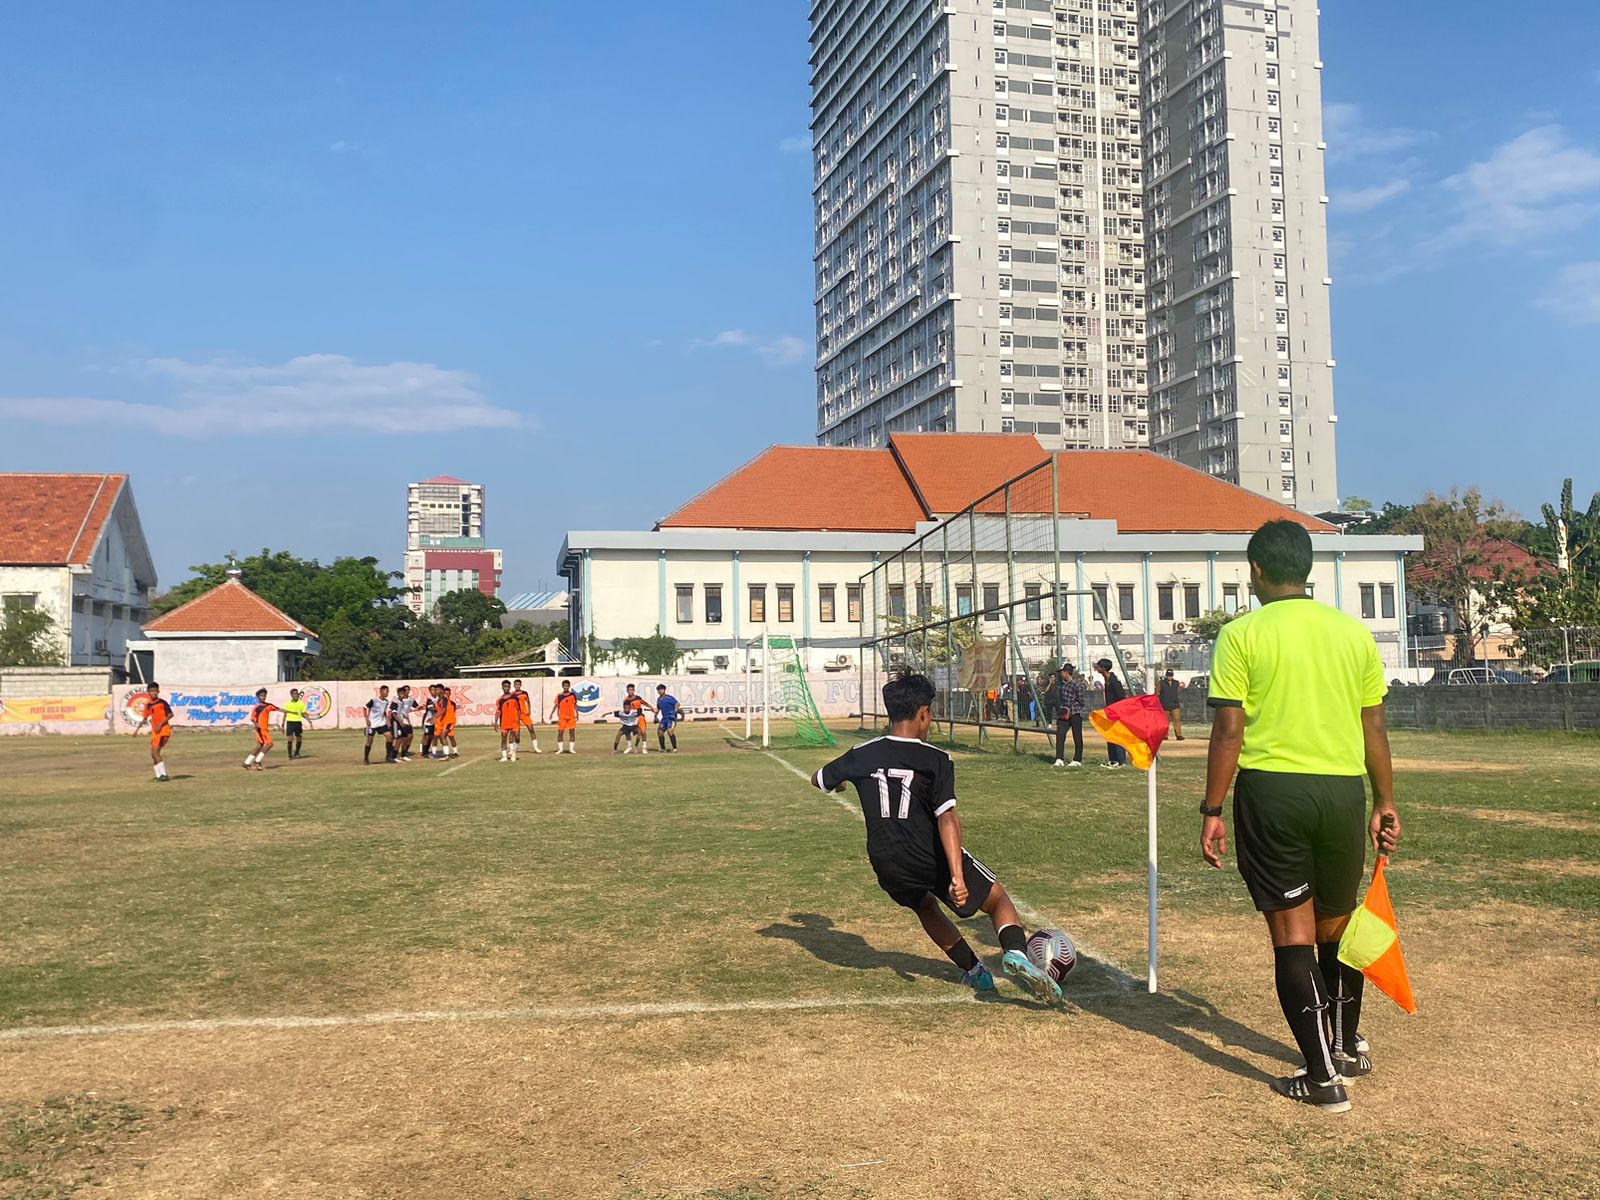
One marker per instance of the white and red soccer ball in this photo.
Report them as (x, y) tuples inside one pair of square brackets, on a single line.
[(1052, 952)]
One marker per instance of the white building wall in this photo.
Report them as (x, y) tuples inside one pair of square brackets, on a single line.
[(200, 660)]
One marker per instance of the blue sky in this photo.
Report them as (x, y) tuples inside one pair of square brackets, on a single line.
[(276, 264)]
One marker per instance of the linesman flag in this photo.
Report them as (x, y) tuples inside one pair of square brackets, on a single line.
[(1137, 724), (1371, 943)]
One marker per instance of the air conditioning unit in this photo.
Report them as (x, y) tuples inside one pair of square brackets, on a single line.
[(1180, 627), (720, 662), (1116, 629), (1047, 630), (100, 647), (844, 660)]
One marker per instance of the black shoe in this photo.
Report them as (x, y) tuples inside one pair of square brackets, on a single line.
[(1356, 1066), (1327, 1097)]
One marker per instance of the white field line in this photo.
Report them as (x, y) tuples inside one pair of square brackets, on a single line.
[(556, 1015), (1025, 910), (466, 762)]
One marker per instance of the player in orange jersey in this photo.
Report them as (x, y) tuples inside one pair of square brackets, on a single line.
[(261, 722), (565, 714), (526, 702), (444, 723), (508, 716), (158, 715)]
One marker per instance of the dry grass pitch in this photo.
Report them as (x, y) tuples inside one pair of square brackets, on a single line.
[(674, 977)]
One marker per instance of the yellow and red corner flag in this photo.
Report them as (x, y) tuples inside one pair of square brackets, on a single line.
[(1371, 943), (1137, 724)]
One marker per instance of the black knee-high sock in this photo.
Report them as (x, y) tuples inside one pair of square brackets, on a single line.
[(674, 738), (1345, 985), (1013, 937), (961, 954), (1305, 1002), (366, 753)]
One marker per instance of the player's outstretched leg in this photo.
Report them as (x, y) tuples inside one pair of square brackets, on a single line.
[(1014, 942), (948, 938)]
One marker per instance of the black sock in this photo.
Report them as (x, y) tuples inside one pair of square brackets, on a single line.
[(366, 753), (1012, 937), (961, 954), (1305, 1005), (674, 741), (1345, 985)]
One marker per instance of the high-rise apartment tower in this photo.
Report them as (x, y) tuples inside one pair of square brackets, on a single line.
[(1241, 365), (445, 547), (980, 237)]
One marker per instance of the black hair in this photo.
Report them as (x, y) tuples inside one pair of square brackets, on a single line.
[(1282, 552), (151, 684), (905, 694), (260, 692), (505, 683), (1105, 664), (1066, 669), (661, 687)]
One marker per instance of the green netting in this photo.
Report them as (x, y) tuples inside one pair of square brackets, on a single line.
[(800, 705)]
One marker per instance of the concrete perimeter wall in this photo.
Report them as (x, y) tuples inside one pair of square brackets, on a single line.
[(1568, 706)]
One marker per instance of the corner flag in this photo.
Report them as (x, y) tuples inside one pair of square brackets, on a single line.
[(1371, 943), (1137, 724)]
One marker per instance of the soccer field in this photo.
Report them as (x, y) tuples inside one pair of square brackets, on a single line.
[(675, 976)]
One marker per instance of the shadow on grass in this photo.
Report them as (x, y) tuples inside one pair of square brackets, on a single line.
[(1189, 1023)]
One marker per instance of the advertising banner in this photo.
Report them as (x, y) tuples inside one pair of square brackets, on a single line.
[(341, 704), (56, 714)]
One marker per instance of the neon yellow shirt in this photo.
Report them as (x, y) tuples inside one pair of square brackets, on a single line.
[(1302, 672), (294, 710)]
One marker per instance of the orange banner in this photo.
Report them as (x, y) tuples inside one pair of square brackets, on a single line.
[(52, 709)]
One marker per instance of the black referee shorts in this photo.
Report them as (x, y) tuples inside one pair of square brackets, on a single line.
[(1301, 837), (908, 892)]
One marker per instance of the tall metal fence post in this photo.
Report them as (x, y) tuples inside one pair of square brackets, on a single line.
[(1014, 655), (977, 602), (1055, 539)]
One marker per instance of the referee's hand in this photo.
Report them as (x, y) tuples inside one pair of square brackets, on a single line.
[(1213, 840), (1384, 829)]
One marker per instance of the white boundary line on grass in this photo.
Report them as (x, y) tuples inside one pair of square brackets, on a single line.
[(552, 1014), (467, 762), (1028, 912)]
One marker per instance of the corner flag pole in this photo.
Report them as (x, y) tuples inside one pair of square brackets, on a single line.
[(1150, 790), (747, 684)]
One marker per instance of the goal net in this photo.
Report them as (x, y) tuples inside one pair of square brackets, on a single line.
[(783, 659)]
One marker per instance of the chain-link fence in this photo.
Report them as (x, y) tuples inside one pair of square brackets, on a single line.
[(981, 604)]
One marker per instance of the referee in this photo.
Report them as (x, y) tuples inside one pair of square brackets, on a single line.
[(1297, 691)]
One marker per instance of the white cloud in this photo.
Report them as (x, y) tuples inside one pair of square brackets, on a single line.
[(798, 144), (783, 350), (1349, 136), (1535, 185), (1362, 200), (1575, 295), (314, 393)]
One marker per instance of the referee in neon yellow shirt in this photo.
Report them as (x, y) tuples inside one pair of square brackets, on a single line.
[(294, 719), (1297, 696)]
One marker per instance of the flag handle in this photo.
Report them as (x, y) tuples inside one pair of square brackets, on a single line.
[(1153, 931), (1384, 825)]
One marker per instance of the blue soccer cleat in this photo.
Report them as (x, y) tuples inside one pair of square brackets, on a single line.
[(1016, 964), (979, 979)]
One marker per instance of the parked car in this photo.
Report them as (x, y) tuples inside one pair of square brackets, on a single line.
[(1200, 682), (1587, 671), (1463, 675), (1511, 677)]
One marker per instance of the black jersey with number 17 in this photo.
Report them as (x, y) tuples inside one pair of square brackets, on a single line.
[(904, 784)]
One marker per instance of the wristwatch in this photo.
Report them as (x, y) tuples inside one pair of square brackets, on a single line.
[(1210, 812)]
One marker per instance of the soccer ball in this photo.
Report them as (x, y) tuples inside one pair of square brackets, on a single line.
[(1053, 953)]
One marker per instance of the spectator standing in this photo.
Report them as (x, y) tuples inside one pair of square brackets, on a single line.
[(1116, 756), (1171, 693), (1070, 700)]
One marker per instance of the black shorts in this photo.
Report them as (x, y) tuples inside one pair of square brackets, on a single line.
[(291, 728), (1301, 837), (402, 731), (908, 892)]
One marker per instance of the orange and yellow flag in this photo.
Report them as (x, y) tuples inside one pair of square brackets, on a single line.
[(1371, 943), (1137, 724)]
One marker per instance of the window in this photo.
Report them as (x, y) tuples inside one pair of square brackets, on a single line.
[(14, 602), (897, 600), (685, 603), (1191, 601), (991, 600), (852, 600), (963, 599), (1386, 592), (758, 602), (825, 595), (786, 603), (1034, 609), (713, 604), (1230, 597), (1369, 602), (1102, 605), (1124, 601), (924, 599), (1164, 602)]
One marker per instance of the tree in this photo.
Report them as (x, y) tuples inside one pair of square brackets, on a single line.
[(658, 654), (305, 589), (1568, 594), (963, 632), (1208, 624), (469, 612), (521, 640), (28, 638), (1357, 504)]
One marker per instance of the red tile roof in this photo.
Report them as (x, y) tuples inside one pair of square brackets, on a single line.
[(447, 479), (805, 488), (228, 608), (1490, 559), (1149, 493), (54, 520), (951, 470)]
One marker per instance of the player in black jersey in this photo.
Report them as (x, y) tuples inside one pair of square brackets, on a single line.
[(908, 797)]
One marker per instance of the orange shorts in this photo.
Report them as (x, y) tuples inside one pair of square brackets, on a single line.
[(566, 723), (510, 724), (444, 729), (264, 741), (158, 740)]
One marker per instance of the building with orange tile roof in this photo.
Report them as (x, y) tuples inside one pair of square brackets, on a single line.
[(72, 544), (782, 545), (226, 635)]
